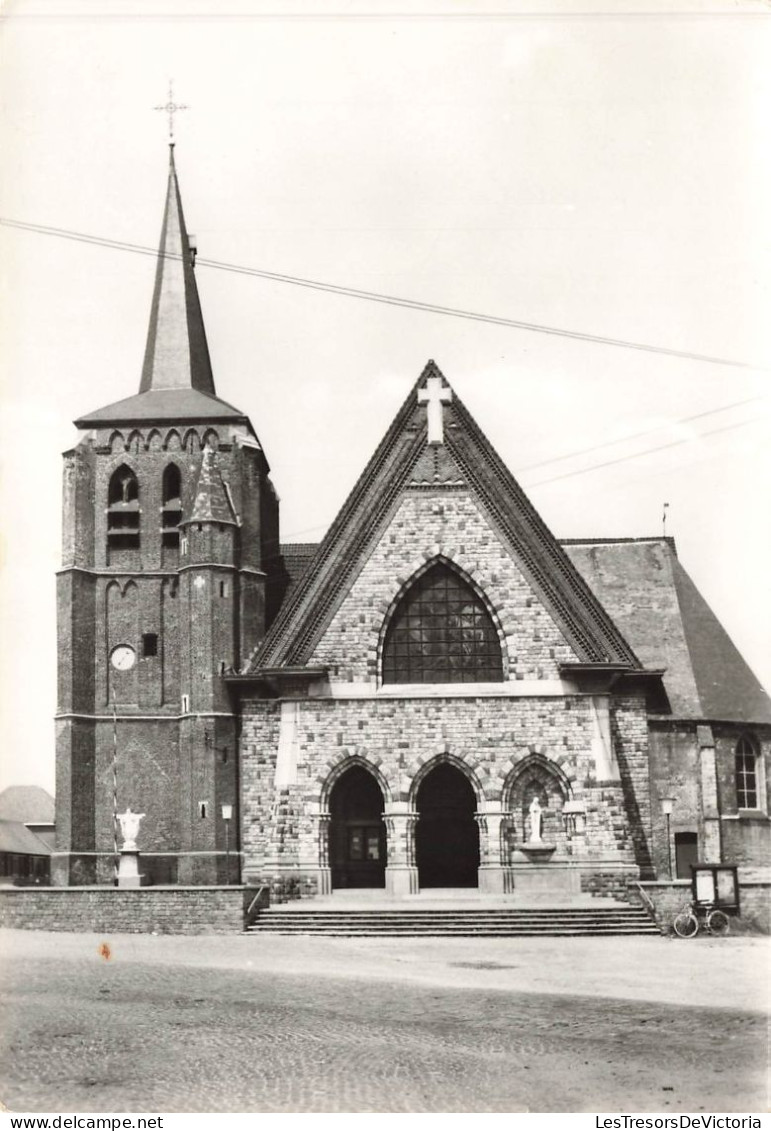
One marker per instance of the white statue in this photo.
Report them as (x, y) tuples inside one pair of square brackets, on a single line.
[(129, 827), (535, 821)]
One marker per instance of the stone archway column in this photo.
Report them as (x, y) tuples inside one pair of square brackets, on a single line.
[(494, 877), (325, 872), (401, 869)]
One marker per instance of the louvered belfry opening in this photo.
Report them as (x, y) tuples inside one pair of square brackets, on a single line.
[(441, 632)]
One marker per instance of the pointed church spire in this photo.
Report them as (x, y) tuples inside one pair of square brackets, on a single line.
[(176, 355)]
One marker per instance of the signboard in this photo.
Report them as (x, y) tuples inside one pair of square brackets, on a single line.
[(717, 884), (703, 885)]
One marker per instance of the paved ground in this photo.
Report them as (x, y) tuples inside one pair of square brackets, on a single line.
[(272, 1024)]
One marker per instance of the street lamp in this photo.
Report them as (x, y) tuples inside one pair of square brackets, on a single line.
[(667, 804), (227, 813)]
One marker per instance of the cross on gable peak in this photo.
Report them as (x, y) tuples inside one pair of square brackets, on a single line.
[(434, 393)]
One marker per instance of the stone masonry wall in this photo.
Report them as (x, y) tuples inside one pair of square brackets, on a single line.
[(668, 897), (426, 525), (397, 739), (110, 911), (629, 727)]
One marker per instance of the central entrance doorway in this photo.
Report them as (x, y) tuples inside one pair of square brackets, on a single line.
[(357, 839), (447, 836)]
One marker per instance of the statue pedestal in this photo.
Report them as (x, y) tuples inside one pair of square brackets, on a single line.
[(128, 869), (537, 849)]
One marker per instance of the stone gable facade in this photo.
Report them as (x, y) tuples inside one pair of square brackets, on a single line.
[(448, 525)]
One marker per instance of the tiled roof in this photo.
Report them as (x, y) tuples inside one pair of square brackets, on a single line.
[(14, 837), (669, 624), (162, 404), (297, 557), (30, 803), (210, 499)]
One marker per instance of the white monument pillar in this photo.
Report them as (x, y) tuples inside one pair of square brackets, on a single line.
[(128, 865)]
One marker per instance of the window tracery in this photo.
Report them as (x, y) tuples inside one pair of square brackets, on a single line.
[(441, 632)]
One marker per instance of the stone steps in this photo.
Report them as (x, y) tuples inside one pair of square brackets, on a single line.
[(463, 923)]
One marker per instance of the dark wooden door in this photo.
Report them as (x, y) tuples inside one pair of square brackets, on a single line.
[(357, 839)]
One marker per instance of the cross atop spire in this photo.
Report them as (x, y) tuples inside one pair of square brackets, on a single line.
[(171, 108)]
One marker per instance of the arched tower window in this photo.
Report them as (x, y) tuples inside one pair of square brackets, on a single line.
[(171, 515), (441, 632), (171, 512), (123, 510), (172, 486), (746, 774)]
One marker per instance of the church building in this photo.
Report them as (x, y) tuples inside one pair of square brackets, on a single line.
[(440, 694)]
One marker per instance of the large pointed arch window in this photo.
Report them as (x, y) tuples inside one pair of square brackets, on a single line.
[(441, 632)]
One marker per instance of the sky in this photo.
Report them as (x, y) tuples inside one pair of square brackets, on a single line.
[(604, 169)]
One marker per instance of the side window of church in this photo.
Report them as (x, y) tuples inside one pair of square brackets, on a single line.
[(441, 632), (123, 510), (746, 774)]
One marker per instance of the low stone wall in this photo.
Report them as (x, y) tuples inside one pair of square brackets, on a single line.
[(159, 910), (614, 885), (668, 896)]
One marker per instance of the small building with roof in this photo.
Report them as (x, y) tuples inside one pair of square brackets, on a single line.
[(26, 834)]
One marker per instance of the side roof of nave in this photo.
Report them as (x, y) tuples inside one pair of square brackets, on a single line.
[(651, 597)]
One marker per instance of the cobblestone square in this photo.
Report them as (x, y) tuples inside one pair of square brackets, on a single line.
[(220, 1024)]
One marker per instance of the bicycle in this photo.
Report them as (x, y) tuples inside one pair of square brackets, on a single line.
[(694, 917)]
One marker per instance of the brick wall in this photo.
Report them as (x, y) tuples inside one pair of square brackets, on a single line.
[(675, 773), (746, 833), (164, 911), (167, 765), (668, 897)]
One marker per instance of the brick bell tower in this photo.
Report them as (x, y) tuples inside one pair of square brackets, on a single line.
[(170, 572)]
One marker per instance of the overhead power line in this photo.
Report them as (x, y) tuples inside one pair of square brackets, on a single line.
[(646, 451), (610, 462), (636, 435), (389, 300)]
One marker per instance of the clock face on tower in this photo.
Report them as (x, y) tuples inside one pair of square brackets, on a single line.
[(123, 657)]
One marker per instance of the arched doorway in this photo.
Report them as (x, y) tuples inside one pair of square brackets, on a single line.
[(447, 836), (357, 839)]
